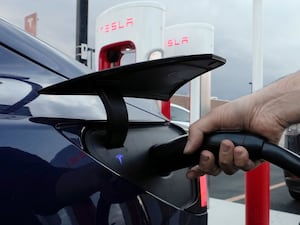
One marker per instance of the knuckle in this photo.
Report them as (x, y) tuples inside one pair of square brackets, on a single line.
[(230, 171)]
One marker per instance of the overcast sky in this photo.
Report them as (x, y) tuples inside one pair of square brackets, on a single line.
[(232, 21)]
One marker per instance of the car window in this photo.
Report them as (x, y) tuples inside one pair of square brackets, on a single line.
[(20, 80)]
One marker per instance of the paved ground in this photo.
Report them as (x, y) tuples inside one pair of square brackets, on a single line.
[(230, 213), (227, 200)]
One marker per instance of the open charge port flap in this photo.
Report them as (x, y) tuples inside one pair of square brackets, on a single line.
[(157, 79)]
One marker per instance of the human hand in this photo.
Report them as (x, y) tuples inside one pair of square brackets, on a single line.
[(231, 159), (251, 113)]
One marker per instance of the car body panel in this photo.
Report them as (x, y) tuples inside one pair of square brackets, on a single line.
[(51, 128)]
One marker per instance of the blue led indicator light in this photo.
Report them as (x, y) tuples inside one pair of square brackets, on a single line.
[(120, 158)]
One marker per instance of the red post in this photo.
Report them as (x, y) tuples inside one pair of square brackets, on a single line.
[(166, 108), (258, 195)]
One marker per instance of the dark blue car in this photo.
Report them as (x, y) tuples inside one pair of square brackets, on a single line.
[(74, 143)]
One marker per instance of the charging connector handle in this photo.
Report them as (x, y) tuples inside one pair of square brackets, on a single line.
[(169, 156)]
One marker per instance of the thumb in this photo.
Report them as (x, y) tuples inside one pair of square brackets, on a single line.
[(197, 131)]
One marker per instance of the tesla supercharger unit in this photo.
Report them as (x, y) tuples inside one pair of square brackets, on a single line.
[(188, 39), (129, 32)]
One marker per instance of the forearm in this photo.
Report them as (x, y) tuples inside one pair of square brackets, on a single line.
[(281, 97), (281, 86), (266, 112)]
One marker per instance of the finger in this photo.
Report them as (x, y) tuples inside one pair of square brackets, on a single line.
[(242, 160), (207, 163), (194, 140), (206, 166), (195, 172), (226, 157), (197, 131)]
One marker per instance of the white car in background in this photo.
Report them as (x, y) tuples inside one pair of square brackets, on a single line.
[(180, 116)]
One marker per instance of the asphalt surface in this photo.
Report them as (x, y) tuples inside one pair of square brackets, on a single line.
[(231, 188)]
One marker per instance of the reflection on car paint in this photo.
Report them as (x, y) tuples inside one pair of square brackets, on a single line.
[(33, 94)]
